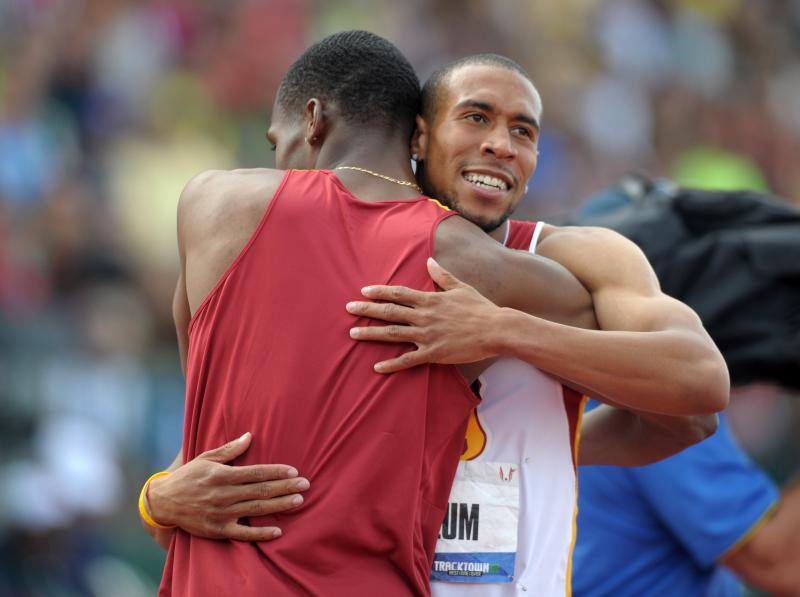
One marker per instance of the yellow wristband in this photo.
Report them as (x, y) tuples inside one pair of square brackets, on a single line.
[(143, 506)]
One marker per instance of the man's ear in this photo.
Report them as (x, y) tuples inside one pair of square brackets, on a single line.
[(419, 140), (316, 121)]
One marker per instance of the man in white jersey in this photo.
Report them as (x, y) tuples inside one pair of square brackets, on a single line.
[(524, 432), (517, 480)]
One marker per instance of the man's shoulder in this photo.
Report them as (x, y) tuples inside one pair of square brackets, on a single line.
[(595, 255), (583, 235), (591, 240), (210, 185), (215, 200)]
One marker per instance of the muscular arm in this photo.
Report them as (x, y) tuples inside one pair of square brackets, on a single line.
[(653, 359), (768, 559), (677, 357), (663, 380), (651, 354)]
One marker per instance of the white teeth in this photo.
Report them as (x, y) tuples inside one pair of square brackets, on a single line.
[(483, 180)]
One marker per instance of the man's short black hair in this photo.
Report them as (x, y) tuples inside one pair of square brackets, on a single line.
[(364, 75), (433, 86)]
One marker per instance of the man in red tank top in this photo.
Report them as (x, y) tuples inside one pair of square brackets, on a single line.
[(268, 259)]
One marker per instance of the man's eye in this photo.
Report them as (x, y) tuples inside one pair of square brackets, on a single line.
[(521, 130), (476, 117)]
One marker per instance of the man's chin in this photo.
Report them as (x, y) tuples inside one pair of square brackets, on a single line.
[(493, 225), (487, 224)]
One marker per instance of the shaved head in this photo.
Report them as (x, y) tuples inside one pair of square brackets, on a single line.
[(436, 83)]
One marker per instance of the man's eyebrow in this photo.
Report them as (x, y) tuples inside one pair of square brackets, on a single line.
[(528, 120), (471, 103)]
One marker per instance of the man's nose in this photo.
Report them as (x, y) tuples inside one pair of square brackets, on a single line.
[(499, 144)]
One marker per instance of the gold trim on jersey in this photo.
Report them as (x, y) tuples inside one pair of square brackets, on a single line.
[(439, 203), (763, 519), (575, 450)]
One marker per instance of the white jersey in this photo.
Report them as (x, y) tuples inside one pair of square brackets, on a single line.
[(510, 526)]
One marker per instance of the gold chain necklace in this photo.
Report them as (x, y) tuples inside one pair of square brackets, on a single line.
[(405, 183)]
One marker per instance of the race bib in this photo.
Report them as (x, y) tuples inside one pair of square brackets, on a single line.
[(478, 539)]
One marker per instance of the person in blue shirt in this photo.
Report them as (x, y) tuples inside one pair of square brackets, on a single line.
[(690, 525), (684, 526)]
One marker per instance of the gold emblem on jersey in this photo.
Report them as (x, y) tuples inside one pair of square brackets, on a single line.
[(475, 440)]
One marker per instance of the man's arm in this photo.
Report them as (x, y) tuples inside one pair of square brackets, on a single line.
[(451, 327), (180, 310), (181, 316), (768, 558), (652, 354), (620, 437), (653, 349)]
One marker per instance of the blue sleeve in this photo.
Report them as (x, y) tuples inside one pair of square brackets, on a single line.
[(709, 496)]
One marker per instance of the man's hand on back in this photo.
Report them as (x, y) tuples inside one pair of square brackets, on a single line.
[(207, 497), (449, 327)]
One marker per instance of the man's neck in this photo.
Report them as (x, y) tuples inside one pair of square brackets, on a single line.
[(373, 151)]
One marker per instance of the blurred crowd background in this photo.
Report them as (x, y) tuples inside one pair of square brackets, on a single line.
[(107, 108)]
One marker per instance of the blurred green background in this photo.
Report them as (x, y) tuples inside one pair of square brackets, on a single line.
[(107, 108)]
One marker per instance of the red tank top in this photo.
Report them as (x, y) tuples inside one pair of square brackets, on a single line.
[(269, 352), (520, 234)]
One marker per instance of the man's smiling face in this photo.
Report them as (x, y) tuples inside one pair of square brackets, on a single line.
[(480, 147)]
